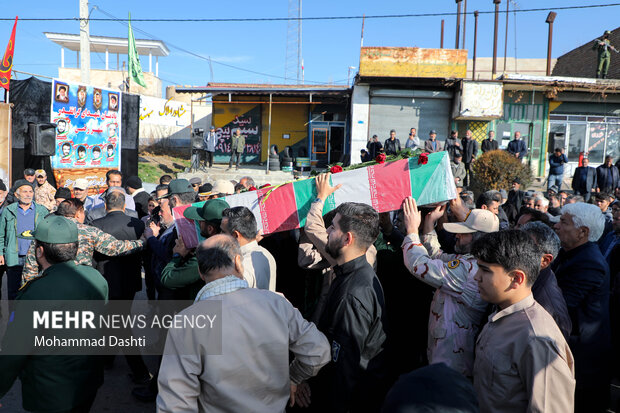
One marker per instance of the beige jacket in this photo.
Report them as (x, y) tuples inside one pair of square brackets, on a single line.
[(259, 267), (252, 373), (523, 363)]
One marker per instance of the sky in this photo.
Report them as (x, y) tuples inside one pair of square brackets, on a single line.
[(329, 47)]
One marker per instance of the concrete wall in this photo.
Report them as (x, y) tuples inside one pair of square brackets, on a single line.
[(484, 66), (112, 79), (360, 111)]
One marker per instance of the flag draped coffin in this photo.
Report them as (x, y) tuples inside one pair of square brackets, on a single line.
[(383, 186)]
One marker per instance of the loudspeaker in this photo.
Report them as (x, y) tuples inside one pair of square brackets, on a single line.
[(42, 139)]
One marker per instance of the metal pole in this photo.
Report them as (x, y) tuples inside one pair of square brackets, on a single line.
[(84, 43), (464, 21), (506, 40), (494, 69), (458, 22), (191, 134), (299, 64), (269, 135), (473, 71), (441, 41), (550, 19)]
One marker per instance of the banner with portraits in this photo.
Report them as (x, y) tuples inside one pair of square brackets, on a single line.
[(88, 132)]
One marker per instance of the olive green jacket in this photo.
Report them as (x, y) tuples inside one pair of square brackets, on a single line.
[(58, 382), (237, 143), (181, 275), (8, 231)]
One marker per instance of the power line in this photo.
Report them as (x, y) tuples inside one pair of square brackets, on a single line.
[(271, 19), (206, 58)]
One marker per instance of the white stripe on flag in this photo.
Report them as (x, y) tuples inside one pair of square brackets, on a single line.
[(249, 200), (355, 186)]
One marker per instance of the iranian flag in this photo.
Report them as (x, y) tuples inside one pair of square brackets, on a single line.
[(383, 186)]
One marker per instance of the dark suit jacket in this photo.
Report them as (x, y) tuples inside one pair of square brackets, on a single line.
[(583, 276), (100, 212), (142, 203), (590, 180), (123, 273), (602, 176), (470, 150)]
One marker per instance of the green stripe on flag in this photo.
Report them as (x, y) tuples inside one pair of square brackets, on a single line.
[(305, 194), (421, 174)]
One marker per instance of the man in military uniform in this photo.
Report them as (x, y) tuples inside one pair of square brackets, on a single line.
[(604, 56), (44, 192), (237, 145), (90, 239), (54, 383), (457, 310)]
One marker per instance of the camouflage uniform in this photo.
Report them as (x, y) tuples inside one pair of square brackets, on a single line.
[(44, 195), (90, 239), (457, 309)]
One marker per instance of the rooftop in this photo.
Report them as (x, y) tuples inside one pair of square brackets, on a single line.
[(99, 44), (261, 89)]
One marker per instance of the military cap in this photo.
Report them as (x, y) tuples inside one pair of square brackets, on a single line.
[(178, 186), (55, 229), (211, 211)]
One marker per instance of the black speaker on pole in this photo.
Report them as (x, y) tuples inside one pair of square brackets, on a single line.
[(42, 139)]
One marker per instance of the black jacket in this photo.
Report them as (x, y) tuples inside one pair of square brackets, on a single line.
[(548, 294), (602, 178), (142, 203), (590, 181), (374, 148), (583, 276), (451, 148), (354, 323), (122, 273), (489, 145), (391, 147), (470, 150), (100, 212)]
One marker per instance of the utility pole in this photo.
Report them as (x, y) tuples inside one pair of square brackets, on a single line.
[(458, 22), (550, 20), (84, 43), (494, 69), (441, 38), (506, 40), (473, 70), (464, 22)]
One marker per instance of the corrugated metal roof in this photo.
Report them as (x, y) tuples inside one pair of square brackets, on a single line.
[(261, 89)]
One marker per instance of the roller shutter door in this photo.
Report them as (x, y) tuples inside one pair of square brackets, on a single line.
[(405, 109)]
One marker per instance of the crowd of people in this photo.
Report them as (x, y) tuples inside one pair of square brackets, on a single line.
[(504, 301)]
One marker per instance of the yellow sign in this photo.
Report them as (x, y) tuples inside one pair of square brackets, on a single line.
[(413, 62)]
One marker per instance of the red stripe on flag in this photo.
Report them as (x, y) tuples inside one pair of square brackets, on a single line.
[(278, 209), (7, 60), (393, 175)]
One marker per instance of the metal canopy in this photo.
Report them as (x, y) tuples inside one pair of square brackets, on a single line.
[(99, 44)]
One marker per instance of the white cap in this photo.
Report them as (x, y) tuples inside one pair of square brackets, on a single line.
[(80, 183), (481, 220), (223, 187)]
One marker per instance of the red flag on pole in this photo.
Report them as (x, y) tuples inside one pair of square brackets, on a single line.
[(7, 61)]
